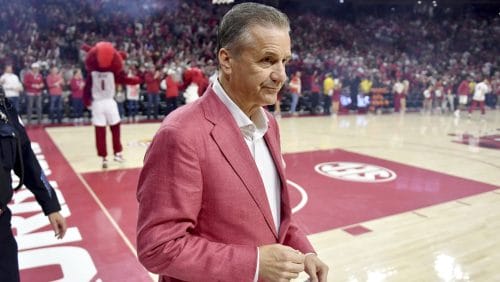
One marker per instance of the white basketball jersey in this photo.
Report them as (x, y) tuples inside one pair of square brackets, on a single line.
[(103, 85)]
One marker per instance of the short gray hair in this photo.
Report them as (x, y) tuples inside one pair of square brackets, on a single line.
[(235, 23)]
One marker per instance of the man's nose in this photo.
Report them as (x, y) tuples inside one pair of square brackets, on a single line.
[(278, 74)]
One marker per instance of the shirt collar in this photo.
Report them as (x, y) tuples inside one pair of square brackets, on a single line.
[(254, 127)]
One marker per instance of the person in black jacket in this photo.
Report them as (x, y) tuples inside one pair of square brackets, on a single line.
[(16, 155)]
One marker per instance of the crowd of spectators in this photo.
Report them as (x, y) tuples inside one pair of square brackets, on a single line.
[(415, 46), (419, 46)]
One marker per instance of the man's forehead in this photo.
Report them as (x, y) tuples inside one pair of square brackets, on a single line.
[(272, 40), (269, 31)]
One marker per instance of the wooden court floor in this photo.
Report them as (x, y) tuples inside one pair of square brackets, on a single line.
[(455, 240)]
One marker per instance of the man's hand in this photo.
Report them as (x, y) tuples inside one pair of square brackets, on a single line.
[(317, 270), (280, 263), (58, 224)]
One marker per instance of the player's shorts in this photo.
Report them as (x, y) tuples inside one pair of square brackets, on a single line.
[(462, 99), (105, 112)]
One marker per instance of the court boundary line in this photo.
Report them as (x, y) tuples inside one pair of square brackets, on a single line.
[(418, 214), (463, 203), (303, 194), (94, 196), (112, 220), (415, 212), (115, 225)]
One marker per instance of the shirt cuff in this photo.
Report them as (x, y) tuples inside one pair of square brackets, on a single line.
[(256, 276)]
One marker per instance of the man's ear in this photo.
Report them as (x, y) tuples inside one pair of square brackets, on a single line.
[(224, 60)]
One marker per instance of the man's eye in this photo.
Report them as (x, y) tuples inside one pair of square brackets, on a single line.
[(268, 60)]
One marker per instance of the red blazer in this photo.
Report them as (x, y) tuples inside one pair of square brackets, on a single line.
[(203, 210)]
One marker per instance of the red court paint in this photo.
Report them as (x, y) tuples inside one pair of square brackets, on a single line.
[(357, 230), (96, 251), (117, 191), (338, 200), (332, 202), (488, 141), (343, 189)]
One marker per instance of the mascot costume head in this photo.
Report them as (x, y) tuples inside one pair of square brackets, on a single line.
[(105, 69), (103, 57), (194, 83)]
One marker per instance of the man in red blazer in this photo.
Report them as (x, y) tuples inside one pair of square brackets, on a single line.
[(213, 199)]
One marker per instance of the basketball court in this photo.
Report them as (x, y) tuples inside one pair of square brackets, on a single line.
[(382, 197)]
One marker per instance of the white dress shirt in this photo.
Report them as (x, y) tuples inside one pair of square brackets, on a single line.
[(253, 130)]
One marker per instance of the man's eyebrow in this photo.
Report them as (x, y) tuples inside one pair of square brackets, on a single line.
[(274, 54), (269, 54)]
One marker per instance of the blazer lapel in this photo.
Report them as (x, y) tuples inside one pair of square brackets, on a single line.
[(234, 148), (271, 141)]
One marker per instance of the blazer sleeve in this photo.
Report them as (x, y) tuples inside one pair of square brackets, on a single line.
[(297, 239), (170, 195)]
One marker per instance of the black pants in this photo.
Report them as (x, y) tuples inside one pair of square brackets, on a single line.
[(171, 104), (315, 102), (9, 267), (327, 100)]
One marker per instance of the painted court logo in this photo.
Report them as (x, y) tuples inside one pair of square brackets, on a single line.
[(357, 172)]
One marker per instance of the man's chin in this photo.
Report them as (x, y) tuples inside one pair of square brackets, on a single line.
[(270, 98)]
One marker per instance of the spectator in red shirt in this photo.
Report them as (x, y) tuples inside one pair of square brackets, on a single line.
[(34, 85), (152, 79), (55, 82), (77, 84), (172, 91)]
